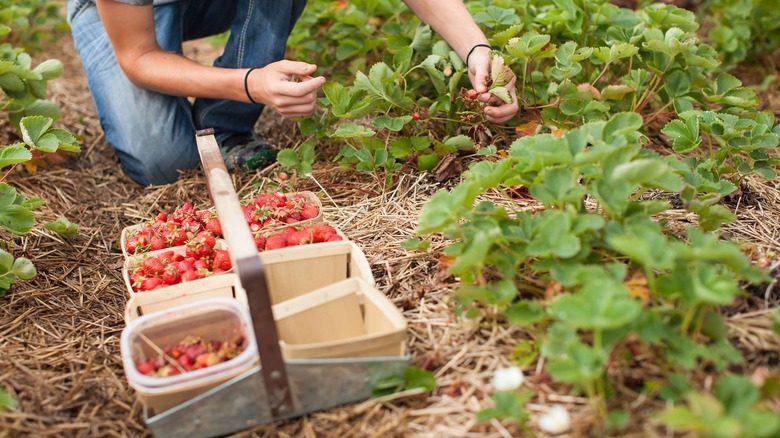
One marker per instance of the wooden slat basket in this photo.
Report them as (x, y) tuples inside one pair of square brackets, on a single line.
[(325, 335)]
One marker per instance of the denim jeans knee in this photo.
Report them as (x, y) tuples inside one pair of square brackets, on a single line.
[(152, 133)]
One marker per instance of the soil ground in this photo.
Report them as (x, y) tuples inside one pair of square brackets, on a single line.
[(59, 333)]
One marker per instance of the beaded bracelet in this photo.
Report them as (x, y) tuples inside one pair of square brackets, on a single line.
[(472, 51)]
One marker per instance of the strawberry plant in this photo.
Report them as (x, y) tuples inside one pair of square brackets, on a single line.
[(31, 20), (741, 29), (24, 101), (575, 62), (735, 408), (601, 272)]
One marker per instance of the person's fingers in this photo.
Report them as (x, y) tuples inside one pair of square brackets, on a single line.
[(305, 87), (302, 110), (298, 68), (502, 111), (479, 68)]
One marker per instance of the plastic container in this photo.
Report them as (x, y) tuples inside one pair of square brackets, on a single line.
[(217, 319), (350, 318)]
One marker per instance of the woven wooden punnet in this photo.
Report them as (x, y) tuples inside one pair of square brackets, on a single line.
[(368, 325), (311, 197), (342, 310), (290, 272)]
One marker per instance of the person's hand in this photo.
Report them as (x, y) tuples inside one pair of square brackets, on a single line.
[(286, 87), (496, 110)]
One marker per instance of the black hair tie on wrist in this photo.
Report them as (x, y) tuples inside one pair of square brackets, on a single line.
[(246, 86), (472, 51)]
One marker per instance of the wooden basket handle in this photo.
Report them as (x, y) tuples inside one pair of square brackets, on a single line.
[(249, 268)]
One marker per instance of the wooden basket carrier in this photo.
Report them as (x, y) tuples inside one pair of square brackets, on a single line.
[(299, 371)]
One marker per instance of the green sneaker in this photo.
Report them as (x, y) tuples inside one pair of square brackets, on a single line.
[(247, 152)]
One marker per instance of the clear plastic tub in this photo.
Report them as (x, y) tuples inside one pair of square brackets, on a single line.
[(215, 319)]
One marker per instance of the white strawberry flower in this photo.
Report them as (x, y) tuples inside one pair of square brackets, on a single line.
[(507, 379), (556, 420)]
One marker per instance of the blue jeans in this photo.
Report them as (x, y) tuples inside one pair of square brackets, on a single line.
[(154, 134)]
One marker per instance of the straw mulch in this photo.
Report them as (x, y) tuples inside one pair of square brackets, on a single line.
[(59, 333)]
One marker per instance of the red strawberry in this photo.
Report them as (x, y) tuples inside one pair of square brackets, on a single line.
[(222, 260), (146, 367), (265, 200), (131, 244), (309, 212), (171, 275), (179, 237), (203, 215), (321, 233), (153, 266), (202, 264), (185, 362), (166, 256), (334, 238), (185, 266), (287, 232), (301, 237), (162, 217), (151, 283), (275, 242), (250, 213), (260, 242), (198, 247), (183, 211), (208, 238), (281, 199), (214, 226), (142, 243), (191, 224), (189, 276)]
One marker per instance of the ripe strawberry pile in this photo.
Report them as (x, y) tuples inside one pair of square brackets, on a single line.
[(292, 236), (192, 353), (168, 267), (267, 210)]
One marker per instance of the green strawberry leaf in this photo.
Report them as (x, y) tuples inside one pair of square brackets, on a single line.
[(63, 227), (24, 268), (14, 154)]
